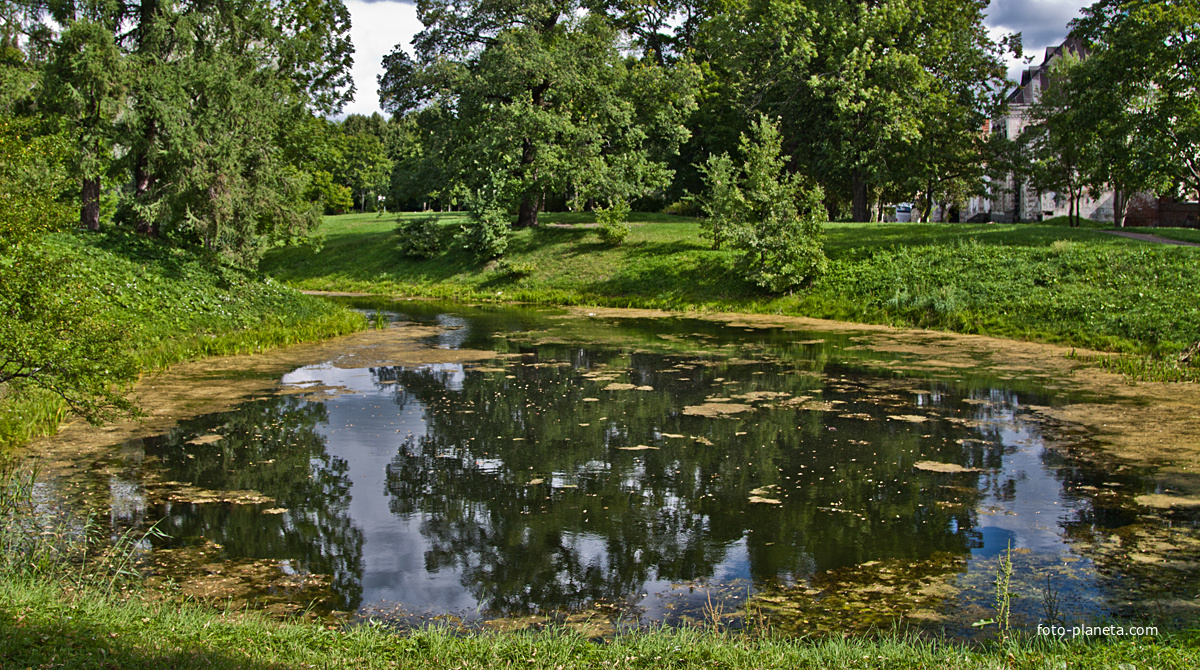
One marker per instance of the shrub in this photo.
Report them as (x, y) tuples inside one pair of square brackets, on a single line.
[(486, 233), (613, 228), (685, 207), (770, 216), (421, 238)]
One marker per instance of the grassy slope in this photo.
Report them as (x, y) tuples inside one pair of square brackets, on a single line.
[(175, 305), (40, 626), (1044, 282)]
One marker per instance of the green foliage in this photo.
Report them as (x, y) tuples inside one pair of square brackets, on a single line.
[(32, 169), (1003, 597), (515, 270), (113, 304), (58, 336), (541, 93), (421, 237), (334, 198), (367, 167), (767, 214), (486, 232), (55, 335), (871, 108), (1143, 105), (613, 227), (722, 205), (485, 235), (1060, 139)]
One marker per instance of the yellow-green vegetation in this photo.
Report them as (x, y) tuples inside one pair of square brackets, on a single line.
[(158, 304), (1051, 283), (90, 629)]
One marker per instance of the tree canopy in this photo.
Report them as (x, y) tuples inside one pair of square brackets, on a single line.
[(536, 98)]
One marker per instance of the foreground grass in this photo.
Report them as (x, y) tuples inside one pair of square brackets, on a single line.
[(174, 304), (41, 625), (1075, 286)]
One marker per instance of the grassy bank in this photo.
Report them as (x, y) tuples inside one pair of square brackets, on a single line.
[(173, 304), (45, 626), (1044, 282)]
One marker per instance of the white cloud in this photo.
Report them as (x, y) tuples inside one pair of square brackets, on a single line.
[(1042, 23), (376, 28)]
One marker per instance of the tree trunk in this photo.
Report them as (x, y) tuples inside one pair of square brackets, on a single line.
[(1119, 207), (860, 204), (142, 181), (89, 212), (527, 216)]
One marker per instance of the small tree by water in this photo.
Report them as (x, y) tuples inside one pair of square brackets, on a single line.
[(771, 216)]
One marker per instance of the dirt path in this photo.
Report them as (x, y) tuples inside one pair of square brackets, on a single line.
[(1147, 237)]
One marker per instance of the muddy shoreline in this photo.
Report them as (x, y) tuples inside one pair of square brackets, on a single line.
[(1144, 424)]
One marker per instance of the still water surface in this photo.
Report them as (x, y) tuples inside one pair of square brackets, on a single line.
[(637, 470)]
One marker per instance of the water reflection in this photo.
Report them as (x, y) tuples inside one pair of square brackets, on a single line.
[(271, 447), (563, 475)]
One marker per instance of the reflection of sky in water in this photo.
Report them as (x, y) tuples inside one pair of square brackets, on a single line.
[(1021, 502), (457, 330), (373, 421)]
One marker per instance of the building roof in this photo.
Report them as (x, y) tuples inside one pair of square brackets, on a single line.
[(1035, 79)]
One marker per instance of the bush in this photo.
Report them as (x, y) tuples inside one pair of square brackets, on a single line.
[(685, 207), (486, 234), (421, 238), (770, 216), (613, 228)]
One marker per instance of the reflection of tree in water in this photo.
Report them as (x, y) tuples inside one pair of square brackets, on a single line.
[(272, 447), (603, 519)]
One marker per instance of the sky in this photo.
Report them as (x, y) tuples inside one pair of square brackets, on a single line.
[(377, 26)]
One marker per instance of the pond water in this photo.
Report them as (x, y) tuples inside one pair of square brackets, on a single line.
[(615, 471)]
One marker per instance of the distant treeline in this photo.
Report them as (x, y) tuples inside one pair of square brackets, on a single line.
[(209, 120)]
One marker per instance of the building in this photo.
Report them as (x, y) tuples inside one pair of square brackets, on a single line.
[(1019, 201)]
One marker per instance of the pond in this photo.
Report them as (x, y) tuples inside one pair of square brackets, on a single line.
[(508, 467)]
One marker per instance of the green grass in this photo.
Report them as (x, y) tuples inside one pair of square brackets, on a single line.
[(1045, 282), (45, 625), (175, 304)]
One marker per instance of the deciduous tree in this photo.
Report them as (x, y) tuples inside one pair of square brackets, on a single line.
[(540, 91)]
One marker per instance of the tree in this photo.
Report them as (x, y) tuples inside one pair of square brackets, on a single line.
[(223, 86), (367, 168), (85, 86), (771, 216), (875, 97), (1140, 91), (1060, 139), (51, 337), (540, 91)]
